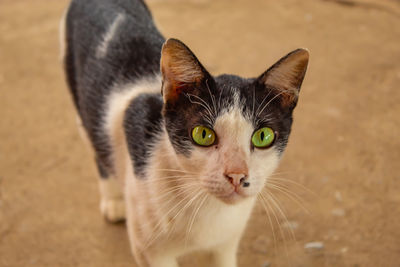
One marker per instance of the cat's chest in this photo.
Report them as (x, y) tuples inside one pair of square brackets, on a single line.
[(218, 223)]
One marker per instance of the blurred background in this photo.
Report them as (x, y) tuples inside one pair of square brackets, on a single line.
[(340, 176)]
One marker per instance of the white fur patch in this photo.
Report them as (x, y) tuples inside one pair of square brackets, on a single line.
[(118, 102), (103, 47), (219, 223), (233, 129), (232, 155), (121, 97)]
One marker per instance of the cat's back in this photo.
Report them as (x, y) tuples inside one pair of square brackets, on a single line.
[(112, 55), (110, 42)]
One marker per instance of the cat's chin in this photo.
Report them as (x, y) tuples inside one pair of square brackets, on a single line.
[(233, 198)]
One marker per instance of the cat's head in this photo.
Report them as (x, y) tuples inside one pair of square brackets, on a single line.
[(229, 132)]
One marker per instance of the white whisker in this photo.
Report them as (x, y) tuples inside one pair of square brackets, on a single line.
[(153, 238), (277, 221), (174, 189), (262, 200), (212, 98), (262, 102), (203, 103), (258, 114), (280, 210), (293, 182), (291, 195), (192, 219), (174, 170)]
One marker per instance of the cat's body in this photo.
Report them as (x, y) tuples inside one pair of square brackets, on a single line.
[(180, 193)]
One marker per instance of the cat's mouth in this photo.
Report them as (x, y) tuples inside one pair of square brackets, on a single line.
[(233, 197)]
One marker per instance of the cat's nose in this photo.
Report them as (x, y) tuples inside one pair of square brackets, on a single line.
[(236, 178)]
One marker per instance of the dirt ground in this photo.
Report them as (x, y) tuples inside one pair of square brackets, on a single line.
[(342, 164)]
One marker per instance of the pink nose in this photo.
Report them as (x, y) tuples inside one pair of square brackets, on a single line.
[(235, 178)]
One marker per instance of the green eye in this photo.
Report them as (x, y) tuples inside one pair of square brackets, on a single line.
[(203, 136), (263, 137)]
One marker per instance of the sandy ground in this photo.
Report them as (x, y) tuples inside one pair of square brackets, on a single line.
[(342, 165)]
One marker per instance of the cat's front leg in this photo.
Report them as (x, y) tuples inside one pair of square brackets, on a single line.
[(225, 254), (112, 204)]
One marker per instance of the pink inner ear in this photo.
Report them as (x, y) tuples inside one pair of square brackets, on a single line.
[(171, 91), (286, 76), (179, 68), (179, 88)]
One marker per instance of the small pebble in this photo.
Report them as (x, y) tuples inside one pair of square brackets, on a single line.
[(308, 17), (338, 196), (338, 212), (344, 249), (325, 179), (266, 264), (313, 246)]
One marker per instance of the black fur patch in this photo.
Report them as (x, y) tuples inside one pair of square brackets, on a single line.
[(259, 104), (132, 53), (143, 129)]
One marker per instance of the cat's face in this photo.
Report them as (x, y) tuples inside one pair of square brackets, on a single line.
[(227, 131)]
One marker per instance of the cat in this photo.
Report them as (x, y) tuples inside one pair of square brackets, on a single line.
[(181, 154)]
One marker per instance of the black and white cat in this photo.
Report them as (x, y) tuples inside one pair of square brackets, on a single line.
[(182, 154)]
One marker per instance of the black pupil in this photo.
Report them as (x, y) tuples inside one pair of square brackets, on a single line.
[(203, 134), (262, 136)]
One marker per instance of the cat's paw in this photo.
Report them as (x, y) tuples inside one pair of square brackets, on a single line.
[(112, 204), (113, 210)]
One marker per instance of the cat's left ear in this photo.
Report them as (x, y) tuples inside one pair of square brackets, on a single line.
[(286, 76), (181, 70)]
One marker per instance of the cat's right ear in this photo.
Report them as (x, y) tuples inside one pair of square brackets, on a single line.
[(181, 70), (286, 76)]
